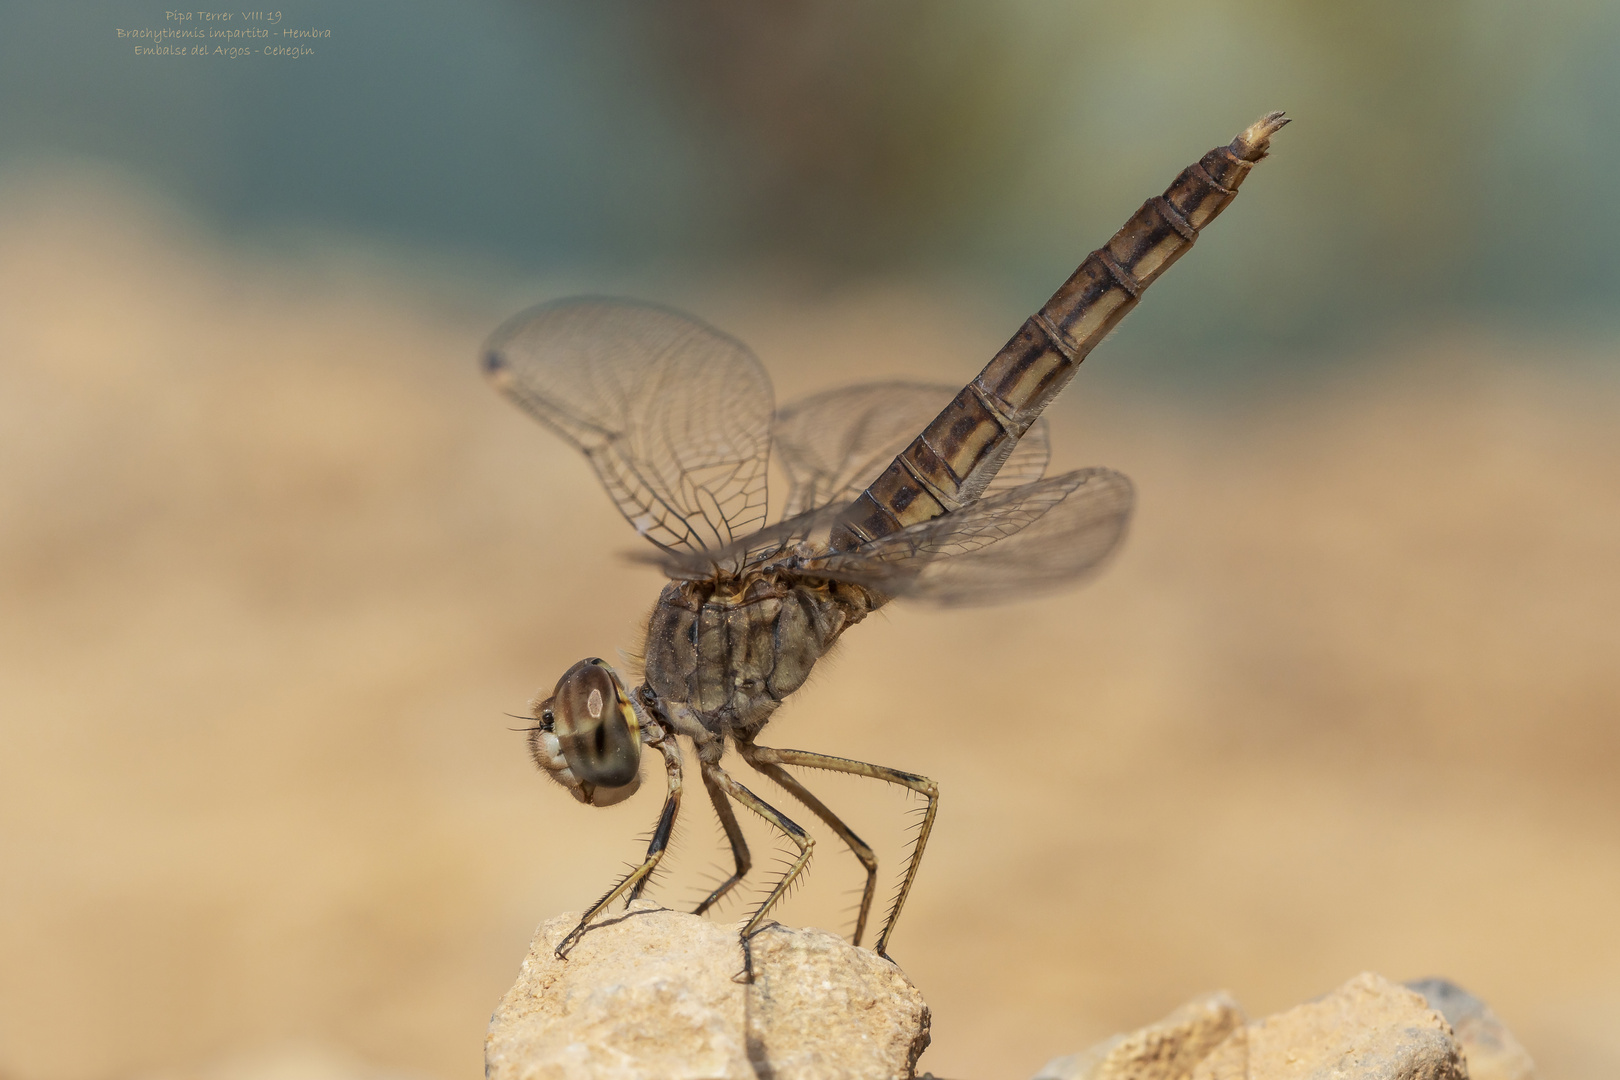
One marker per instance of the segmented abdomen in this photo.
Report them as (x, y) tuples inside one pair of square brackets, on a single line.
[(950, 463)]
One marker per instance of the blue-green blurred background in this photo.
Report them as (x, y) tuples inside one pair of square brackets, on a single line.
[(1452, 160)]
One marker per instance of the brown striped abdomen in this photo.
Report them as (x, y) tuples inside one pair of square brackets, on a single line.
[(957, 455)]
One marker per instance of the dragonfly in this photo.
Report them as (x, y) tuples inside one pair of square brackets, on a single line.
[(895, 491)]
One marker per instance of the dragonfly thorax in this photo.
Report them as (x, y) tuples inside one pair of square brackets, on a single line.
[(732, 651)]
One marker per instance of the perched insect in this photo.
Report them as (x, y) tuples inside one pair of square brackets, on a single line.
[(677, 420)]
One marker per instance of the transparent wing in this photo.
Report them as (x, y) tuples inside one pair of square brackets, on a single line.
[(834, 444), (674, 415), (773, 540), (1032, 538)]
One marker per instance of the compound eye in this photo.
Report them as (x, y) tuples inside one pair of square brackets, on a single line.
[(596, 726)]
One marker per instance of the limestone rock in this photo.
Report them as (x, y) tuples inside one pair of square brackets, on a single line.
[(650, 995), (1228, 1061), (1367, 1029), (1167, 1050), (1492, 1051)]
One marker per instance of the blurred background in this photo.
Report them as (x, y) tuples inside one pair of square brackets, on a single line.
[(275, 565)]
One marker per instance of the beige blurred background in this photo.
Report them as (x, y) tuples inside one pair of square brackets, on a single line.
[(275, 565)]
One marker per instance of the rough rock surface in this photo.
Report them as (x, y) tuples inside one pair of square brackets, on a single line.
[(1492, 1051), (651, 994), (1367, 1029), (1168, 1050)]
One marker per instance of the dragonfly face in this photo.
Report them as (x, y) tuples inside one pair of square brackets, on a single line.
[(588, 735)]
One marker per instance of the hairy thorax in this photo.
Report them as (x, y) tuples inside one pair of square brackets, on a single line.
[(733, 650)]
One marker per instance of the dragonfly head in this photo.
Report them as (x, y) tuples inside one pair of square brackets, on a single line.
[(588, 735)]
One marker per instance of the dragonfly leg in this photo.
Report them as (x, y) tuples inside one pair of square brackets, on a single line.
[(765, 755), (862, 850), (800, 838), (636, 880), (739, 846)]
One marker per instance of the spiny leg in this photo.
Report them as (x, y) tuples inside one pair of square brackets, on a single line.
[(863, 850), (799, 837), (635, 880), (739, 846), (666, 820), (765, 755)]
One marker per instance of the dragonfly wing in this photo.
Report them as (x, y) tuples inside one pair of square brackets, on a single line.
[(773, 539), (674, 416), (1027, 462), (1032, 538), (834, 444)]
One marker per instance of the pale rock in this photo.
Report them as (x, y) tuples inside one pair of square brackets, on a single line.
[(1492, 1051), (1228, 1061), (1367, 1029), (651, 995), (1167, 1050)]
